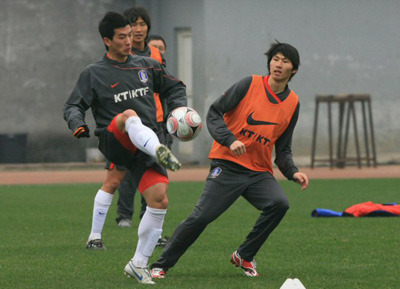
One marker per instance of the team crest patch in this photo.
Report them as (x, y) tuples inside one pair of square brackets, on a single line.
[(216, 172), (143, 76)]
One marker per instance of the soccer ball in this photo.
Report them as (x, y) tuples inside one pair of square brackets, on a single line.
[(184, 123)]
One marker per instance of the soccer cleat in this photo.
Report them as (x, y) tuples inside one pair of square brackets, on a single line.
[(96, 244), (158, 273), (249, 268), (167, 159), (125, 223), (162, 241), (142, 275)]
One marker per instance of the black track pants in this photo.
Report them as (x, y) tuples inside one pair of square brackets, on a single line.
[(225, 183)]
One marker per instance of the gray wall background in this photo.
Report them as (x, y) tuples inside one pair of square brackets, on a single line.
[(345, 47)]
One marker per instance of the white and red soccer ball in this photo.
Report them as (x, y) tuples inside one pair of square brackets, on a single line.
[(184, 123)]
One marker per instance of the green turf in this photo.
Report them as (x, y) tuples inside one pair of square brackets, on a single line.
[(43, 230)]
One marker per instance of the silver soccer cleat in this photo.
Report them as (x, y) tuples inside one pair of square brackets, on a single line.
[(167, 159)]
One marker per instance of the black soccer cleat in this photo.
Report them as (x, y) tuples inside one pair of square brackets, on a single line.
[(162, 241), (96, 244)]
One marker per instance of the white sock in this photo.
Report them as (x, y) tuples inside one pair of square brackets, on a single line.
[(102, 203), (142, 136), (149, 231)]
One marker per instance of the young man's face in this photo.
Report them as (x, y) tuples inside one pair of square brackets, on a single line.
[(139, 31), (281, 68), (121, 44), (159, 44)]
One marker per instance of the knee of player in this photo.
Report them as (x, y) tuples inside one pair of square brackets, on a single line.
[(163, 203), (282, 204), (158, 202), (123, 117), (128, 113)]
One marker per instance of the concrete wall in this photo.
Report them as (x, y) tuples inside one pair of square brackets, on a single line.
[(45, 44), (345, 47)]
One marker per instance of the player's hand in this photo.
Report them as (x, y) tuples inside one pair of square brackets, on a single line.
[(301, 179), (82, 131), (238, 148)]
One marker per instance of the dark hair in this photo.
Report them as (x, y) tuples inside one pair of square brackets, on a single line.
[(110, 22), (156, 37), (287, 50), (135, 12)]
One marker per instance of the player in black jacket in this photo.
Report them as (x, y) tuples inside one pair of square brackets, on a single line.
[(120, 89), (141, 25)]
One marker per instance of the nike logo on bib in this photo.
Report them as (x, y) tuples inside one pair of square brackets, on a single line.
[(252, 121)]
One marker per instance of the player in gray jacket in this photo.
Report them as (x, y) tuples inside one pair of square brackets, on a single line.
[(120, 89)]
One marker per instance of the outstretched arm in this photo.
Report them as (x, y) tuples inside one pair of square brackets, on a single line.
[(169, 87), (77, 104), (283, 149)]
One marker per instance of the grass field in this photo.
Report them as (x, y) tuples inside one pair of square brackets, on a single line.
[(43, 230)]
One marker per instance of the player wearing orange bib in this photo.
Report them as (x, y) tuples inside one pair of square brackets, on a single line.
[(255, 115)]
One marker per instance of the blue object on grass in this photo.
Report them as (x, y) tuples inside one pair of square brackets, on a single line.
[(325, 213)]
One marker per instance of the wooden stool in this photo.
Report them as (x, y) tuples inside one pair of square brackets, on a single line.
[(344, 100)]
